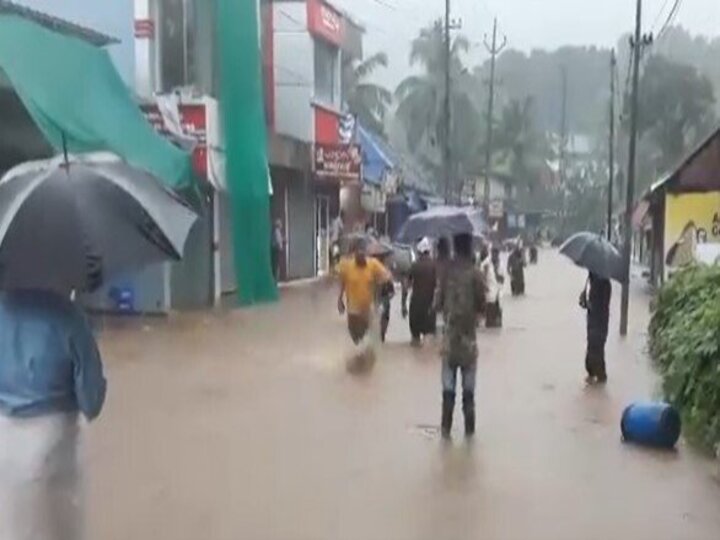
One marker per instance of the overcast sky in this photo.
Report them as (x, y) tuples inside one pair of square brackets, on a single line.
[(527, 24), (391, 24)]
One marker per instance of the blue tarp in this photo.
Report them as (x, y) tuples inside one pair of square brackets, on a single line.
[(376, 159)]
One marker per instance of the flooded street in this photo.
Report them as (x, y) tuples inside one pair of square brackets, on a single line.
[(244, 424)]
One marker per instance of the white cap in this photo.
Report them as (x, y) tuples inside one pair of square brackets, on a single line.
[(424, 246)]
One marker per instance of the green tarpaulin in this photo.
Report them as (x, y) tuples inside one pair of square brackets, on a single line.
[(72, 90), (241, 102)]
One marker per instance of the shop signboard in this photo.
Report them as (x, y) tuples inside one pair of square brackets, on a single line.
[(692, 229), (342, 162), (496, 209), (325, 21)]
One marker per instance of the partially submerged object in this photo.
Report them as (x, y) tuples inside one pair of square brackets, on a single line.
[(655, 424)]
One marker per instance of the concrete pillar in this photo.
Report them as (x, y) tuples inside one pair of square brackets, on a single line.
[(146, 56)]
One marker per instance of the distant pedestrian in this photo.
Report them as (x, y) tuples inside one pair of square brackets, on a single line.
[(422, 280), (337, 233), (516, 270), (361, 278), (595, 298), (386, 292), (493, 315), (50, 371), (462, 301), (277, 248)]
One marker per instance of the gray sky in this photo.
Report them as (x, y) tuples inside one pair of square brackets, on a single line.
[(527, 24), (391, 24), (113, 17)]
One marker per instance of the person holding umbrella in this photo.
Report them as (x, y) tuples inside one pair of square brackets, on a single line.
[(595, 298), (50, 373), (68, 224), (603, 262), (462, 301)]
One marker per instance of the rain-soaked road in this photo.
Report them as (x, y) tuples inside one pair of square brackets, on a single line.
[(245, 425)]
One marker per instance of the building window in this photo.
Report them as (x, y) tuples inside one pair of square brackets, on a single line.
[(326, 73), (177, 43)]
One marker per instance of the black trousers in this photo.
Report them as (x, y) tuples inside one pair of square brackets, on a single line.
[(595, 353), (275, 254)]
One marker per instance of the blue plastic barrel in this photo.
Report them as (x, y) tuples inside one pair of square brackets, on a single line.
[(654, 424)]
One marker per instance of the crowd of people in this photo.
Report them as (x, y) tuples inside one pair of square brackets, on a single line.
[(458, 281), (463, 286)]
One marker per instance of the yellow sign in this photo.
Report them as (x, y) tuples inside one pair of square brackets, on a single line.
[(692, 227)]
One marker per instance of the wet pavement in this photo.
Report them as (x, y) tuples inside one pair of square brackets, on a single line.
[(245, 424)]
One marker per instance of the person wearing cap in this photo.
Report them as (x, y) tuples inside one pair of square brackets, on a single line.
[(361, 279), (422, 279)]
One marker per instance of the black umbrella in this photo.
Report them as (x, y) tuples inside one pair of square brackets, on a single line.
[(594, 253), (443, 222)]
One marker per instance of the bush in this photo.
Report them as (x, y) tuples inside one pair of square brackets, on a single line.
[(684, 340)]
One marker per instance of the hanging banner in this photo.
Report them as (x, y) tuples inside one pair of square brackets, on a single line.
[(338, 161)]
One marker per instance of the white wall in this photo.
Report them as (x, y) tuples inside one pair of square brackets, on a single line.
[(294, 71), (145, 51)]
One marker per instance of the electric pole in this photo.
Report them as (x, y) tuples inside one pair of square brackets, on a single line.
[(446, 134), (611, 151), (447, 124), (637, 43), (563, 148), (494, 50)]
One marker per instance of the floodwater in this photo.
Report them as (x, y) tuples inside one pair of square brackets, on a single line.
[(245, 424)]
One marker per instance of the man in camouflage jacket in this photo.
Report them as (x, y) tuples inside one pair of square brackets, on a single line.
[(461, 298)]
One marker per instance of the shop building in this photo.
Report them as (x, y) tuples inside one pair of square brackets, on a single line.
[(678, 220)]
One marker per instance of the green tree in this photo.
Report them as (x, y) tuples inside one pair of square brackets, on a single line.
[(368, 101), (519, 145), (421, 103), (676, 108)]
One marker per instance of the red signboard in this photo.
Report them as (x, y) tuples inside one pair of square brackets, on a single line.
[(327, 124), (144, 28), (194, 124), (325, 21), (338, 161)]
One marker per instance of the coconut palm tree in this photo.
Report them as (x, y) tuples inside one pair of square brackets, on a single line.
[(368, 101), (421, 101), (518, 143)]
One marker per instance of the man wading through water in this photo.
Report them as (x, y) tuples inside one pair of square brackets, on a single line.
[(422, 279), (361, 277), (461, 299)]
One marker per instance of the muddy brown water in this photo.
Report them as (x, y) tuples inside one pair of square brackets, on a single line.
[(244, 424)]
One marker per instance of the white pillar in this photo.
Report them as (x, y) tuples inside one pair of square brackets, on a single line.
[(146, 49)]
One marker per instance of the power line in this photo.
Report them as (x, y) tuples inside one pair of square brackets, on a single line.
[(659, 14), (671, 18)]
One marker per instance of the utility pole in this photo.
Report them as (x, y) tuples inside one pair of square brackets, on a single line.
[(637, 43), (563, 148), (447, 124), (446, 135), (611, 151), (494, 50)]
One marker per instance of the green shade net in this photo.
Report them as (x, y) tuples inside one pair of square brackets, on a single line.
[(243, 117), (73, 92)]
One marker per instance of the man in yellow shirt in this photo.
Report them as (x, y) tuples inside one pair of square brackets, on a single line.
[(360, 277)]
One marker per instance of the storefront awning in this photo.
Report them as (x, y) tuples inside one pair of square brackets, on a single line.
[(375, 159), (78, 100)]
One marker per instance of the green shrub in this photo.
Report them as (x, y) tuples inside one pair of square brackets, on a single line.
[(684, 340)]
